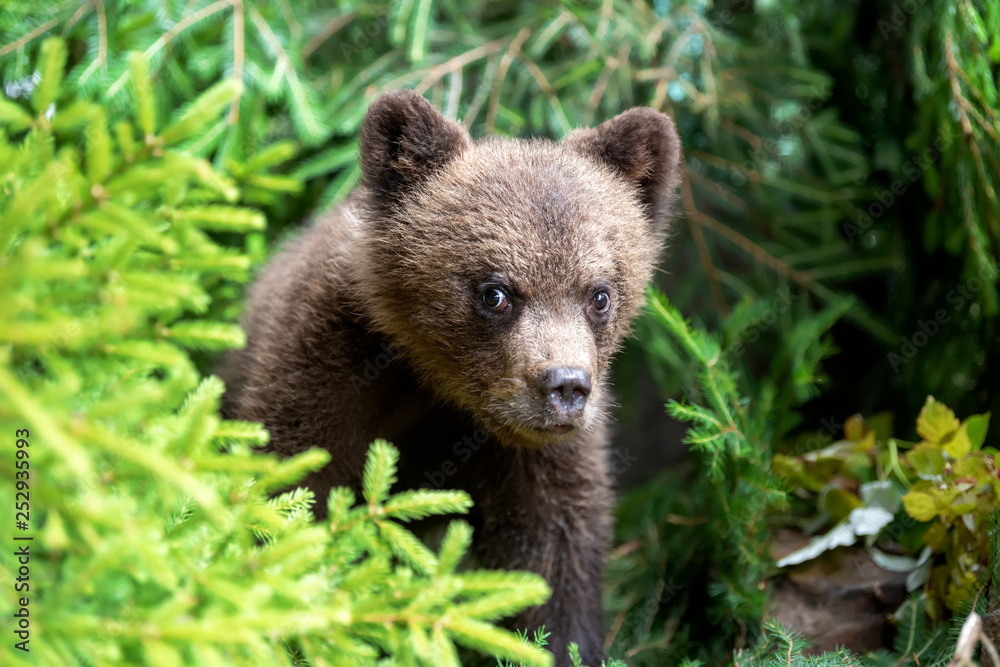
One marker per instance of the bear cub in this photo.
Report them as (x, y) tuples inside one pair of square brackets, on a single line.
[(464, 303)]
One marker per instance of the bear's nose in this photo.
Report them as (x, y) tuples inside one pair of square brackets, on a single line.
[(567, 389)]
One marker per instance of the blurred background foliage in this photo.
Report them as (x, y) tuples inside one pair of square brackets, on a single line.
[(835, 150), (839, 229)]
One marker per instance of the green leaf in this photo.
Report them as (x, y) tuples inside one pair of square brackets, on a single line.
[(340, 187), (957, 444), (976, 427), (936, 421), (920, 506), (926, 458), (126, 140), (839, 502)]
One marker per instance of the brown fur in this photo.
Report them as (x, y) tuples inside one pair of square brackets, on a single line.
[(373, 324)]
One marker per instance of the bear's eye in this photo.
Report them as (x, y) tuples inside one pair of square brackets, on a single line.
[(495, 298), (602, 302)]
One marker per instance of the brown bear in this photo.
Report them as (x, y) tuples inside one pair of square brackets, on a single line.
[(464, 303)]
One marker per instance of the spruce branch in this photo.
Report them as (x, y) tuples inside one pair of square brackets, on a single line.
[(331, 28), (238, 58), (704, 256), (961, 104), (455, 65), (20, 42), (303, 110), (166, 38)]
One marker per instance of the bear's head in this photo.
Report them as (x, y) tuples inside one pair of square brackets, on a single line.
[(508, 271)]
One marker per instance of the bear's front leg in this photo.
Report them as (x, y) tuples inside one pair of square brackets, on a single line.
[(548, 511)]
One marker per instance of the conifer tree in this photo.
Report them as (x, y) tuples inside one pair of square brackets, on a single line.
[(155, 538)]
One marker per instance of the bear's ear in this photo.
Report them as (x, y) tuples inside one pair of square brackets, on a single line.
[(404, 140), (642, 146)]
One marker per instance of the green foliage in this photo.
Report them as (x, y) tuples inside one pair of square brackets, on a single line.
[(126, 185), (309, 70), (779, 647), (156, 537), (915, 646), (954, 53), (715, 522), (931, 503), (700, 544), (958, 498)]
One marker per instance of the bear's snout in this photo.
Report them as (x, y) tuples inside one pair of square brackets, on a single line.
[(566, 390)]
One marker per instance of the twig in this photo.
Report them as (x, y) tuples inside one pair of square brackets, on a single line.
[(979, 95), (438, 72), (607, 11), (987, 127), (660, 95), (751, 175), (740, 131), (982, 171), (482, 92), (654, 36), (77, 15), (550, 32), (328, 31), (548, 90), (290, 20), (610, 67), (30, 36), (615, 627), (751, 248), (280, 55), (454, 94), (184, 24), (681, 520), (102, 34), (102, 37), (670, 74), (956, 90), (169, 36), (505, 63), (704, 256)]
